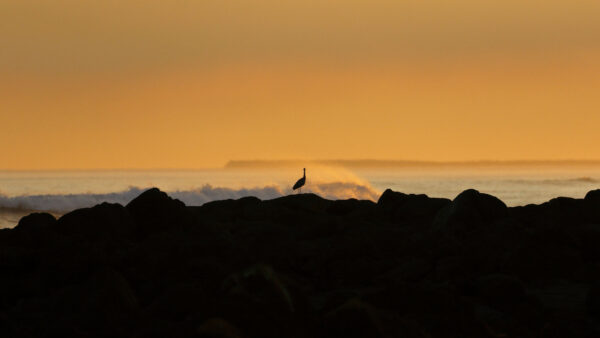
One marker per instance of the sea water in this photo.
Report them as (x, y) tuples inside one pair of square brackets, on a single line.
[(58, 192)]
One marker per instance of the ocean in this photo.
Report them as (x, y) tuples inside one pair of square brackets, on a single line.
[(58, 192)]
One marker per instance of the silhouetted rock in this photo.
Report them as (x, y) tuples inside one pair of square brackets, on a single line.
[(260, 284), (354, 319), (155, 211), (304, 266), (593, 196), (101, 221), (178, 300), (109, 297), (592, 300), (33, 229), (35, 222), (547, 255), (259, 301), (347, 207), (305, 202), (402, 207), (409, 269), (469, 210), (228, 210), (501, 291), (218, 328)]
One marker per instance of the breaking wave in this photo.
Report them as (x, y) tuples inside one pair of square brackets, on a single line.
[(61, 203)]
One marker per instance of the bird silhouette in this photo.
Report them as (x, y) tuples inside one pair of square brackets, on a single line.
[(300, 182)]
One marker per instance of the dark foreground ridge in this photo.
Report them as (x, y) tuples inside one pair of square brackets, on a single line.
[(303, 266)]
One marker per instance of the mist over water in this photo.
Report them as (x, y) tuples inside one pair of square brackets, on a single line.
[(66, 202), (59, 192)]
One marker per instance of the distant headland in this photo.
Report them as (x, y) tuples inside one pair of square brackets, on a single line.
[(375, 163)]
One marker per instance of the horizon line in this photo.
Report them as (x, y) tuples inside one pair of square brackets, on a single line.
[(401, 163), (257, 163)]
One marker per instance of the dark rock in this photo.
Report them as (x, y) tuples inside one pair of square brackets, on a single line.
[(571, 210), (593, 196), (452, 268), (588, 239), (304, 202), (258, 295), (354, 319), (440, 309), (402, 207), (104, 303), (228, 210), (35, 222), (155, 211), (218, 328), (178, 301), (546, 255), (563, 296), (110, 296), (304, 266), (409, 269), (592, 300), (345, 207), (101, 221), (261, 285), (469, 210), (502, 292)]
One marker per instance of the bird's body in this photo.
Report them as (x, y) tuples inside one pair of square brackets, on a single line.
[(300, 183)]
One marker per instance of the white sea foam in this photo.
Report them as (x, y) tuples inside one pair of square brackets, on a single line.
[(60, 192), (66, 202)]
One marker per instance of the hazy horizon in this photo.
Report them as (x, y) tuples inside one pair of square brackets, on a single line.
[(344, 163)]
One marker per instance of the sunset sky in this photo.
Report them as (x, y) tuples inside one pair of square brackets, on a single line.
[(195, 83)]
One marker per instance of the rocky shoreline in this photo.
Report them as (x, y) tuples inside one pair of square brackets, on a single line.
[(304, 266)]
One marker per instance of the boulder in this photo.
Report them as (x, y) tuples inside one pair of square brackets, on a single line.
[(354, 318), (409, 269), (502, 292), (588, 238), (593, 196), (155, 211), (310, 203), (35, 222), (262, 285), (451, 268), (228, 210), (546, 255), (569, 211), (592, 300), (102, 221), (104, 302), (439, 308), (563, 297), (110, 295), (178, 301), (468, 211), (260, 302), (400, 207), (345, 207), (218, 328)]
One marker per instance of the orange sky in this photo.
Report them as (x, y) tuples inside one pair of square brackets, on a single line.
[(189, 84)]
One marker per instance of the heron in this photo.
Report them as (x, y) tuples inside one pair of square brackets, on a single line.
[(300, 182)]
